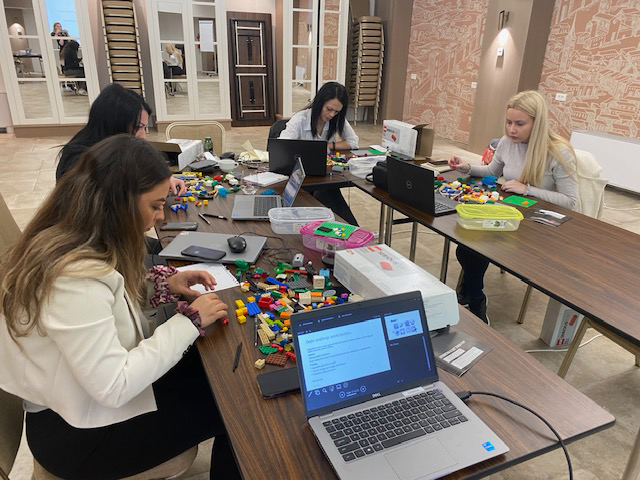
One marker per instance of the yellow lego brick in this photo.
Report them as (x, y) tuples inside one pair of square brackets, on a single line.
[(239, 303), (242, 319), (205, 202), (251, 299)]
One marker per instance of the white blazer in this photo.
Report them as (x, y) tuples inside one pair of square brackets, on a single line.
[(93, 367)]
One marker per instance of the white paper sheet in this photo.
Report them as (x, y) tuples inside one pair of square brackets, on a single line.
[(224, 278)]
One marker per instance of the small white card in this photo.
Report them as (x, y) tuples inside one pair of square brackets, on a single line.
[(224, 278)]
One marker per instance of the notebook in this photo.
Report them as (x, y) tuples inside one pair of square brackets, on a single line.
[(256, 207), (411, 184), (372, 396)]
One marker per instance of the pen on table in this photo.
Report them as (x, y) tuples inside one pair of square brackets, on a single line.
[(255, 322), (203, 217), (213, 215), (235, 361)]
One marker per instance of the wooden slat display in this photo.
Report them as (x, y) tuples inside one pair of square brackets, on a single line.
[(367, 53), (122, 44)]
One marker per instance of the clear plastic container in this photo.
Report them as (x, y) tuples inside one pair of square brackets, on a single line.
[(290, 220), (501, 218), (328, 245)]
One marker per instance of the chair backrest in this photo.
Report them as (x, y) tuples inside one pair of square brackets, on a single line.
[(590, 185), (11, 420), (9, 230), (196, 130), (277, 128)]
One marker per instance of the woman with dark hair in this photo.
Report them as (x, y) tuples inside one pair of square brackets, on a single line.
[(116, 110), (71, 326), (71, 64), (325, 119)]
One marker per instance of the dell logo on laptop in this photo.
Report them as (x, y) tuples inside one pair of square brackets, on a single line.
[(409, 185), (375, 395)]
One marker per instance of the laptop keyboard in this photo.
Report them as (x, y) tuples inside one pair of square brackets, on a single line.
[(263, 204), (373, 430), (442, 207)]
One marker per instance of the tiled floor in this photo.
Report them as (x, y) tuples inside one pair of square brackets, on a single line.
[(601, 370)]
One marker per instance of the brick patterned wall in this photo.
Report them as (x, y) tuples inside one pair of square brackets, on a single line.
[(593, 55), (444, 52)]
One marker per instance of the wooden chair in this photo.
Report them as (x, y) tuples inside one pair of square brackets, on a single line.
[(197, 130), (11, 424), (9, 230)]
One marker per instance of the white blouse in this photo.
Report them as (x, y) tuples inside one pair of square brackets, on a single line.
[(299, 128)]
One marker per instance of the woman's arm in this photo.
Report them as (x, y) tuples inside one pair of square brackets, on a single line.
[(566, 194), (80, 319), (496, 167), (349, 138)]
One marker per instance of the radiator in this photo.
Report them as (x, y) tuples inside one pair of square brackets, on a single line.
[(618, 156)]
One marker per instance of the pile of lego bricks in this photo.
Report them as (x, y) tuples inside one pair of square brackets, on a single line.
[(467, 191), (274, 300), (201, 189)]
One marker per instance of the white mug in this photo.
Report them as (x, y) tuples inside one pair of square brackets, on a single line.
[(227, 165)]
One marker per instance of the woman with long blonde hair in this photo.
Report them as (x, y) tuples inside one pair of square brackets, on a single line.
[(535, 162), (72, 331)]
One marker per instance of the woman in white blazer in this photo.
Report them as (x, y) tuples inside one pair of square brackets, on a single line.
[(102, 400)]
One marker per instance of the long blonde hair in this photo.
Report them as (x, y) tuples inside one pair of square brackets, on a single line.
[(543, 142), (172, 50), (92, 214)]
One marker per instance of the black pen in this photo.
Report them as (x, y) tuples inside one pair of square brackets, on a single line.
[(255, 340), (213, 215), (202, 217), (237, 359)]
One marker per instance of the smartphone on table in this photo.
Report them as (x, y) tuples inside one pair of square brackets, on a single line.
[(203, 253), (279, 382), (179, 226)]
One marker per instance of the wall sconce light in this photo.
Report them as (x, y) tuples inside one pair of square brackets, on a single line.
[(503, 18)]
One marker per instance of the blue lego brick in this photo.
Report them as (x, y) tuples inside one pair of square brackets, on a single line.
[(253, 309)]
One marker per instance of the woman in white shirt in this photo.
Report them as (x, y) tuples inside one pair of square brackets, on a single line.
[(325, 119), (535, 162), (102, 400)]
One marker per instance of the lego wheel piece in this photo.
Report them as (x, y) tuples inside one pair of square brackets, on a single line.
[(276, 359)]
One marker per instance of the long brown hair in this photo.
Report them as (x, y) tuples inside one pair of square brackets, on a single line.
[(92, 216)]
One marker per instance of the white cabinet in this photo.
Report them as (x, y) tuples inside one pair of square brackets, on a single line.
[(315, 46), (38, 90), (188, 42)]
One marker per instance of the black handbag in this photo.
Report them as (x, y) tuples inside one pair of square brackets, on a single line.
[(379, 175)]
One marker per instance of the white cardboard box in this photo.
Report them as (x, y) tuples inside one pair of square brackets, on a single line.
[(560, 324), (378, 270)]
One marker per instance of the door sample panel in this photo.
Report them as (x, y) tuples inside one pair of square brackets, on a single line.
[(250, 64)]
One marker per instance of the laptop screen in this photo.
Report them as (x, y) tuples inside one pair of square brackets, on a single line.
[(352, 353), (293, 185)]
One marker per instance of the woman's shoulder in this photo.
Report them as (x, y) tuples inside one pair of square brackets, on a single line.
[(91, 269), (301, 115)]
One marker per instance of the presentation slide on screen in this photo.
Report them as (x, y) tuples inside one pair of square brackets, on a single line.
[(344, 353), (403, 325)]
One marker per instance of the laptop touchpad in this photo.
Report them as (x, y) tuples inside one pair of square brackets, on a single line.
[(423, 458)]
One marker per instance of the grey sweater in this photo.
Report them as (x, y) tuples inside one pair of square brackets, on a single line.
[(557, 186)]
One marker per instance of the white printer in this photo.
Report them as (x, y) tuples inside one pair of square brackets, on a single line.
[(378, 270)]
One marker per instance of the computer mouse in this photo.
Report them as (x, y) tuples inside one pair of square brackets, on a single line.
[(230, 155), (237, 244)]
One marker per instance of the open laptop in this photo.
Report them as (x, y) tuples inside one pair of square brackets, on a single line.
[(256, 207), (284, 153), (411, 184), (372, 397)]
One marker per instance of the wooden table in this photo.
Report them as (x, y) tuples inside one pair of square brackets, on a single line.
[(273, 436)]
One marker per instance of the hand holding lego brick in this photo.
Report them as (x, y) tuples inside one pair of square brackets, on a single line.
[(210, 308), (181, 282), (177, 186)]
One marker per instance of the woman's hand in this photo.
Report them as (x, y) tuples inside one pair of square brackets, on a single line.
[(514, 186), (457, 164), (210, 308), (181, 282), (177, 186)]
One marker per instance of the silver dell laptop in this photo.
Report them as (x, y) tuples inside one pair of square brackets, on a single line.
[(256, 207), (372, 397)]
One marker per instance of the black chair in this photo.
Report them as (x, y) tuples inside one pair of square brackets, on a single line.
[(277, 128)]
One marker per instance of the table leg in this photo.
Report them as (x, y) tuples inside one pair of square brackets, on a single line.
[(566, 363), (414, 237), (388, 230), (632, 472), (445, 260), (381, 227), (525, 304)]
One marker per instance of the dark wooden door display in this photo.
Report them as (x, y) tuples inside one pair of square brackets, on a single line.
[(251, 69)]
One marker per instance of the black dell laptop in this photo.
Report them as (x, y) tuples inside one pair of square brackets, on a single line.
[(284, 153), (414, 185)]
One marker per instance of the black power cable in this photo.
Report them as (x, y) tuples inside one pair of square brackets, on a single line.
[(465, 395)]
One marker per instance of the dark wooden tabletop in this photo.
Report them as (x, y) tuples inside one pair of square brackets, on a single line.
[(273, 435), (591, 266)]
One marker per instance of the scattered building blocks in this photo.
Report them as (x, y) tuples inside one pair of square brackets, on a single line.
[(278, 359), (260, 363)]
